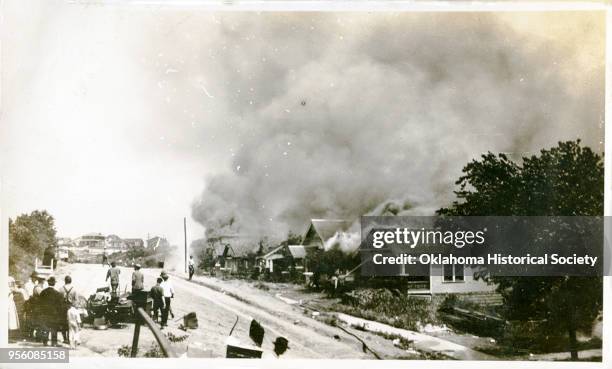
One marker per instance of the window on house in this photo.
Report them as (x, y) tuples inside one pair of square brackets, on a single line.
[(448, 273), (459, 273), (454, 273)]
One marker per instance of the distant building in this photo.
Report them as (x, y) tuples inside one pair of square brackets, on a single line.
[(155, 242), (134, 242), (91, 240), (114, 242), (94, 243), (65, 245)]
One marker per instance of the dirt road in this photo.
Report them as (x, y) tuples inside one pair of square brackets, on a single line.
[(217, 312)]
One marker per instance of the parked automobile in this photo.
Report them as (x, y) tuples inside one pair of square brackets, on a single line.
[(115, 309)]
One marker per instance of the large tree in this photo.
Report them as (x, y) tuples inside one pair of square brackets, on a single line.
[(29, 236), (567, 180)]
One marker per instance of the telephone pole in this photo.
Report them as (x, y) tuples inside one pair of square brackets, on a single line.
[(185, 232)]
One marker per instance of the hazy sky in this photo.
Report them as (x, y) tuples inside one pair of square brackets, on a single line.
[(117, 119)]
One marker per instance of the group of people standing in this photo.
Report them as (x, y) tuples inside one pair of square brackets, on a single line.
[(40, 309), (162, 292), (43, 310)]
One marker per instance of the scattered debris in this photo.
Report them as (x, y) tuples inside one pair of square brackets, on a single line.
[(235, 350), (412, 351), (430, 328), (281, 345), (256, 332), (364, 346), (175, 339), (286, 299), (190, 321), (234, 326)]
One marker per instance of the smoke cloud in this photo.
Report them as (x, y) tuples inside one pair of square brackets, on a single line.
[(341, 115)]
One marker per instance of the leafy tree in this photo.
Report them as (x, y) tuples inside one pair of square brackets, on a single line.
[(29, 236), (329, 261), (567, 180)]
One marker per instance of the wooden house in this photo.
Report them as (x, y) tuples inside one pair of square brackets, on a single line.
[(298, 255), (231, 255), (321, 230), (448, 279)]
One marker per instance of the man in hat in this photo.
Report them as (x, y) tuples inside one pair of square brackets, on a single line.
[(281, 344), (168, 289), (137, 279), (30, 284), (52, 309), (157, 294), (34, 311), (113, 274)]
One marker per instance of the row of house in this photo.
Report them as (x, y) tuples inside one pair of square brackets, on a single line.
[(233, 255), (98, 244)]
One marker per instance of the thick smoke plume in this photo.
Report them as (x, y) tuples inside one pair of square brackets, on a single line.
[(378, 113)]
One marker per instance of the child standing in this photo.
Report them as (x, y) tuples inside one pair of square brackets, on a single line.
[(74, 325)]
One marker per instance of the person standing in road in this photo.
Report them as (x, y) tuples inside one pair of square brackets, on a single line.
[(74, 325), (52, 308), (113, 274), (157, 294), (168, 289), (70, 298), (137, 279), (191, 267)]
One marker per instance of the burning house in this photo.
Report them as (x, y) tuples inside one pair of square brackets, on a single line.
[(321, 230), (283, 262), (156, 242), (437, 279), (231, 254)]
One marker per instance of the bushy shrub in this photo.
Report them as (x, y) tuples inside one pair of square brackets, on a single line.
[(154, 351), (387, 306), (124, 351), (468, 316)]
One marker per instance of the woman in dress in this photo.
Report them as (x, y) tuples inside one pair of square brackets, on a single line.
[(13, 318)]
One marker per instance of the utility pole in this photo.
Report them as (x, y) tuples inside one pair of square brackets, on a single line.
[(185, 231)]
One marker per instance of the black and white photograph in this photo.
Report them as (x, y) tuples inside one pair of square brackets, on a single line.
[(184, 182)]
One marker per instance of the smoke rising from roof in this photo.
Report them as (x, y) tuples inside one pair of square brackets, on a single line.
[(347, 115)]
